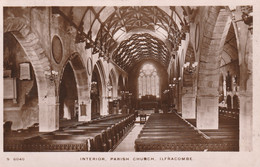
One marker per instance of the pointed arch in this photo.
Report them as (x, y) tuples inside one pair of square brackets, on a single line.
[(37, 56), (101, 70), (188, 58), (112, 77), (216, 26), (81, 76), (212, 46), (40, 62)]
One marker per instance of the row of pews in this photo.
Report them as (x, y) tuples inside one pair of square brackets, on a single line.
[(169, 132), (228, 131), (228, 112), (99, 135)]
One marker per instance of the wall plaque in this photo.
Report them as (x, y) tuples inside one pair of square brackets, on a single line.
[(89, 66), (57, 51), (25, 73), (83, 109), (10, 91)]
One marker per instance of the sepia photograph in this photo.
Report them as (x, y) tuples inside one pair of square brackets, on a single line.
[(129, 84)]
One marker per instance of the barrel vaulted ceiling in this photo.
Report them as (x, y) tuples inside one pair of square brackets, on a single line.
[(129, 34), (128, 52)]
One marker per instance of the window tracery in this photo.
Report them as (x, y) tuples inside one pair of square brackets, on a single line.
[(148, 81)]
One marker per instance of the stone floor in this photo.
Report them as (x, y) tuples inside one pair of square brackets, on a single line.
[(128, 143)]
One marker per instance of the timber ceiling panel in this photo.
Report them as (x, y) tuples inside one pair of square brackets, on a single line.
[(110, 29), (139, 47)]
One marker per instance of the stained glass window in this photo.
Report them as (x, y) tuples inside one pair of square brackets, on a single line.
[(148, 81)]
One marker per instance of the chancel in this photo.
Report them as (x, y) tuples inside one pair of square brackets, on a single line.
[(127, 78)]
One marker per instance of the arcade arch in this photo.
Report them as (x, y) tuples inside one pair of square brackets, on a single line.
[(68, 97), (40, 63)]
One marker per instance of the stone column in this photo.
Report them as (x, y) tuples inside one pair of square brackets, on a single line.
[(177, 98), (180, 98), (245, 121), (48, 115), (207, 112), (246, 118), (104, 109), (188, 103)]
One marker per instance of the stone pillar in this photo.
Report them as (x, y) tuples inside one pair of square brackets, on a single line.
[(245, 122), (207, 91), (188, 106), (207, 112), (177, 99), (188, 103), (246, 118), (104, 108), (180, 98), (48, 115)]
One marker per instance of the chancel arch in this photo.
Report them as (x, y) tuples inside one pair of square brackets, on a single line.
[(137, 83)]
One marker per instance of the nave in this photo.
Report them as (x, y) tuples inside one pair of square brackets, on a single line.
[(88, 78), (97, 135), (124, 133)]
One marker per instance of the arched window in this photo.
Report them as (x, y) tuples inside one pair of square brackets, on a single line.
[(148, 81)]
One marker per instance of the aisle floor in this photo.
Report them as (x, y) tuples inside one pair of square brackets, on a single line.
[(128, 144)]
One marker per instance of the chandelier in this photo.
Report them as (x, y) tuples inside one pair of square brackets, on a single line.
[(109, 91), (175, 81), (190, 68), (109, 87), (94, 88), (247, 16), (51, 75)]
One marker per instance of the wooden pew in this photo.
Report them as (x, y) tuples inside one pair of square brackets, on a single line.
[(97, 135), (169, 133)]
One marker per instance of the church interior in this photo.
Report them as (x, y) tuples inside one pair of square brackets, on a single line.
[(127, 78)]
